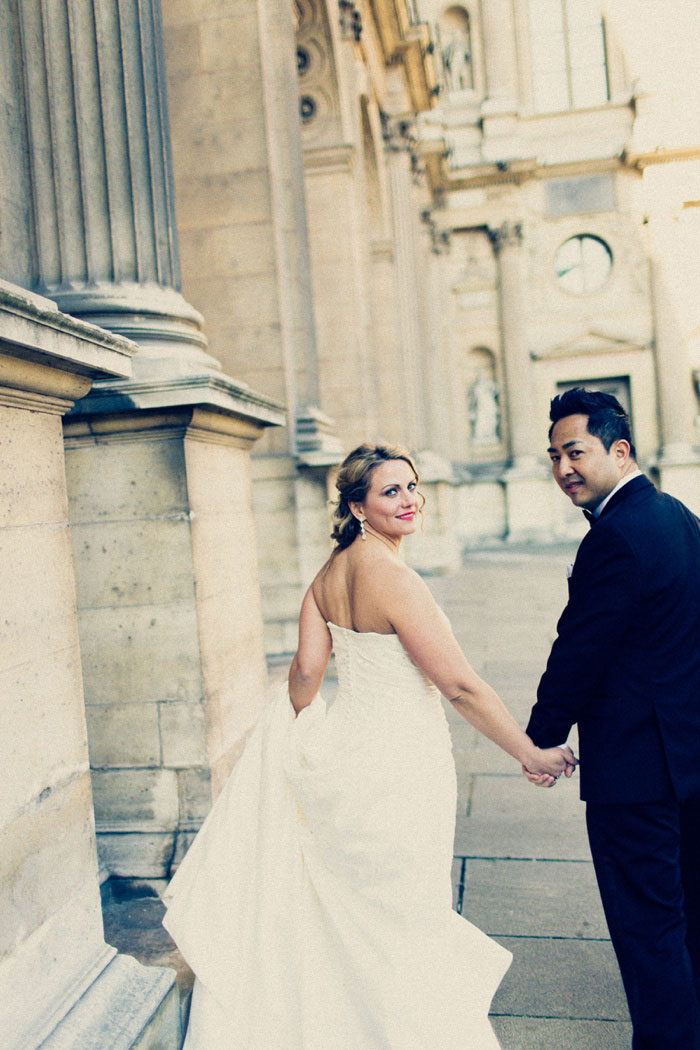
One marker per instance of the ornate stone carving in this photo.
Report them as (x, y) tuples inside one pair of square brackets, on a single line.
[(350, 20), (319, 106), (440, 239), (507, 235)]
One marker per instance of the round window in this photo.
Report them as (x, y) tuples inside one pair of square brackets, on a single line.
[(583, 263), (307, 109)]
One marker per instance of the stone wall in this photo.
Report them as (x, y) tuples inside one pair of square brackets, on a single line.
[(54, 962)]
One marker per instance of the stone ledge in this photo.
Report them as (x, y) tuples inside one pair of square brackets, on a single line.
[(213, 395), (33, 328), (129, 1006)]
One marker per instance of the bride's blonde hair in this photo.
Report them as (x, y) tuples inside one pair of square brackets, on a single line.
[(353, 482)]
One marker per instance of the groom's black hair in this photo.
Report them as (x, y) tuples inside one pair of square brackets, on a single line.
[(607, 419)]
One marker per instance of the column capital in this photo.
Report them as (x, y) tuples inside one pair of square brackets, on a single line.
[(507, 235), (440, 238)]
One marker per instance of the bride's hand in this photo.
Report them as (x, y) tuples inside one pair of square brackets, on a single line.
[(549, 764)]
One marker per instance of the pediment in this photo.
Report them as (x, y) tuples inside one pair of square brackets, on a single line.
[(589, 343)]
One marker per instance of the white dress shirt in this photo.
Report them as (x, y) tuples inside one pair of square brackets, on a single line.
[(623, 481)]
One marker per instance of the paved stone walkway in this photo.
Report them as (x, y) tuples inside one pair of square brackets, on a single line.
[(522, 868)]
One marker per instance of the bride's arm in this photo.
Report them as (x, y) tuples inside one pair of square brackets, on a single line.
[(312, 655), (427, 636)]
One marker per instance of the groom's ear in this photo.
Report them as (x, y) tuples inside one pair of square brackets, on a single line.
[(621, 450)]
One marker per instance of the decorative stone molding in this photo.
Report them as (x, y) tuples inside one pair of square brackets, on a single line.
[(317, 444), (330, 159), (588, 343), (350, 20), (319, 102), (507, 235), (409, 42), (47, 359), (214, 399), (440, 239)]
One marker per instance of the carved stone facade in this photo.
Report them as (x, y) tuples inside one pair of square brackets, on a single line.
[(566, 195), (456, 227), (401, 221)]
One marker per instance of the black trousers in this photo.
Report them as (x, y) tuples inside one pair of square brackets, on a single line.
[(646, 861)]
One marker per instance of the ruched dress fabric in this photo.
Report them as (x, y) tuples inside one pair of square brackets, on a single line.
[(315, 904)]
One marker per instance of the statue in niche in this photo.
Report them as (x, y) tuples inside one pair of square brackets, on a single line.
[(484, 410), (456, 52), (457, 61)]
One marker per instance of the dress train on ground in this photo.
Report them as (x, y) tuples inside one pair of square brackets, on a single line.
[(315, 904)]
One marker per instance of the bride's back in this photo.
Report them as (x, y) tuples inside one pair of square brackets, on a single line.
[(353, 587)]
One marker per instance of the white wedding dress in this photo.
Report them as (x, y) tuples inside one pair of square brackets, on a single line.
[(315, 904)]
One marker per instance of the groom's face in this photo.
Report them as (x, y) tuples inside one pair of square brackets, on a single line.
[(581, 466)]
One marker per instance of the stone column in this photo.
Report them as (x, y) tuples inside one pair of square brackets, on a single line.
[(385, 335), (441, 373), (499, 108), (408, 291), (499, 56), (678, 460), (528, 501), (62, 987), (507, 244), (99, 170)]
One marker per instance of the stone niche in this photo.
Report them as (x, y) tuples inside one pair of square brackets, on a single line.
[(61, 986)]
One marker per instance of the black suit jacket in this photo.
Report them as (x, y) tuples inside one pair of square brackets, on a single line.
[(626, 661)]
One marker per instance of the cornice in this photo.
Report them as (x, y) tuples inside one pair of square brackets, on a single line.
[(588, 343), (407, 42), (514, 172), (660, 155)]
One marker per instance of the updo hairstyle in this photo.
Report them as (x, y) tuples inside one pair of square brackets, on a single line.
[(353, 484)]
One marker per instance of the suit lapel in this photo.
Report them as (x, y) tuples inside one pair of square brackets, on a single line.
[(638, 484)]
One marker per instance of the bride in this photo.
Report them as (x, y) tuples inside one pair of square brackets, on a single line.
[(315, 904)]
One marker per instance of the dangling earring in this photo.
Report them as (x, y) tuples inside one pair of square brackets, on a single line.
[(362, 529)]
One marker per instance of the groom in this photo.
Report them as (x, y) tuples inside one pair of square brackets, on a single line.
[(625, 666)]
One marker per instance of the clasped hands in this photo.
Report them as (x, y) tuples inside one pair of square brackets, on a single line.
[(559, 760)]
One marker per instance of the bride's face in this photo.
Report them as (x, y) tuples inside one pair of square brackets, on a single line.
[(392, 503)]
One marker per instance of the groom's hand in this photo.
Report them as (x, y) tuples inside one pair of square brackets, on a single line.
[(546, 779)]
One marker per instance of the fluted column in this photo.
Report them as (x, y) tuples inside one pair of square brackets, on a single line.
[(100, 174), (520, 405)]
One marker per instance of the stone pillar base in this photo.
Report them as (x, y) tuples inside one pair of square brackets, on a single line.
[(168, 603), (128, 1007), (529, 514)]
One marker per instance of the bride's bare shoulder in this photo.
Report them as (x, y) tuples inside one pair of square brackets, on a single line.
[(390, 577)]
